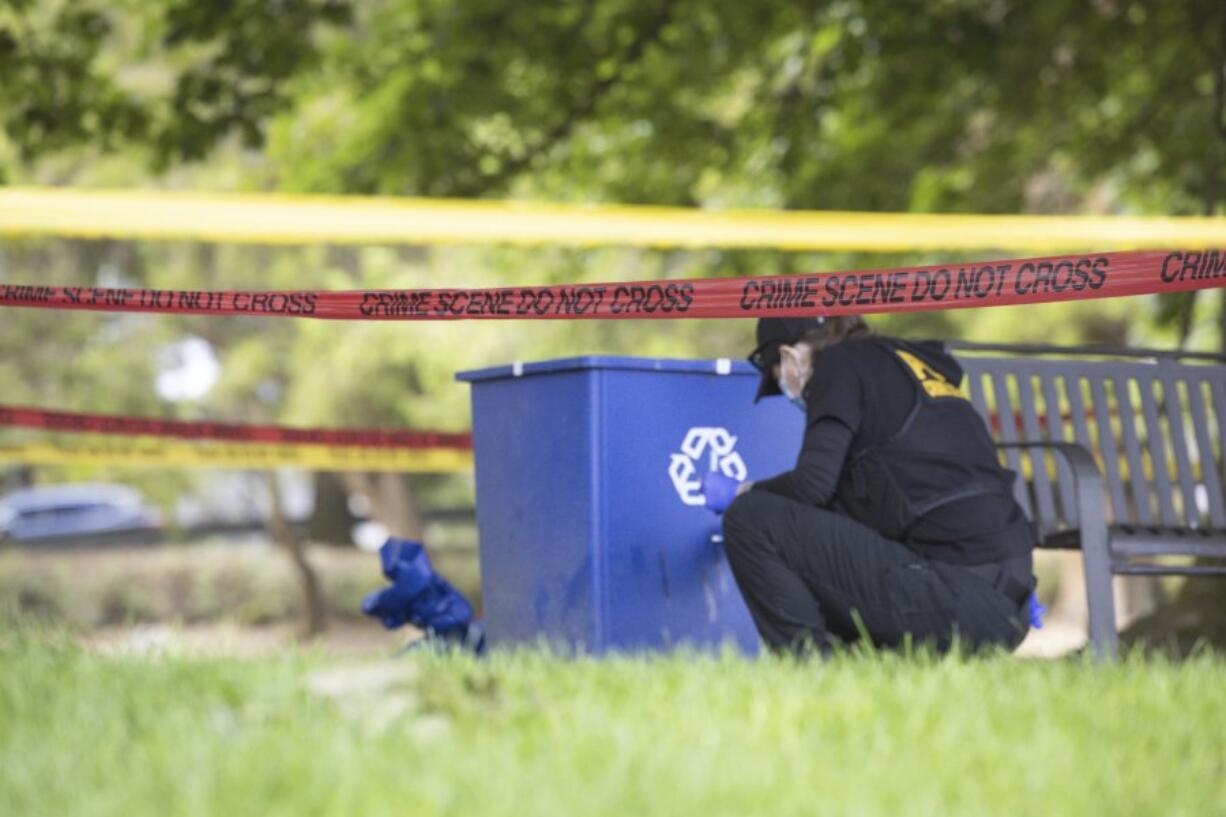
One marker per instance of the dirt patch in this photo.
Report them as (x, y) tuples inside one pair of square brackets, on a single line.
[(350, 640)]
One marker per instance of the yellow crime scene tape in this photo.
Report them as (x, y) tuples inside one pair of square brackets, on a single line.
[(159, 452), (272, 218)]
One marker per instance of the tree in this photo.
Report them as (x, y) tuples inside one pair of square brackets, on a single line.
[(72, 78)]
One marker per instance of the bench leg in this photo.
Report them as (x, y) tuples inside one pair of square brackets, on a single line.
[(1095, 541), (1100, 597)]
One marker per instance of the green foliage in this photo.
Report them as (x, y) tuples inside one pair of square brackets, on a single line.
[(91, 77), (861, 104), (247, 54), (961, 105), (55, 94), (529, 733), (864, 104)]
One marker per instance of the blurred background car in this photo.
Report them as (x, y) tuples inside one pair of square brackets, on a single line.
[(79, 514)]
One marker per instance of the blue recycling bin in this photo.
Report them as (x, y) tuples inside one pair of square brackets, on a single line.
[(589, 508)]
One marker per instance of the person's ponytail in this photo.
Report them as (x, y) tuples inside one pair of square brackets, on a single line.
[(836, 330)]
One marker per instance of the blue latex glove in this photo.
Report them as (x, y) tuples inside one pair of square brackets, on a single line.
[(439, 608), (442, 610), (390, 605), (718, 490), (1036, 612)]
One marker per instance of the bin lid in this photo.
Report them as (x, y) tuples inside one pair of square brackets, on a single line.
[(720, 366)]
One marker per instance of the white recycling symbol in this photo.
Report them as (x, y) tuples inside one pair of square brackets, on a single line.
[(704, 449)]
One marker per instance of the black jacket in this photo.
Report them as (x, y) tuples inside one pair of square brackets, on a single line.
[(891, 441)]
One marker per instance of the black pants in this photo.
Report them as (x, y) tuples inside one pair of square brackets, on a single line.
[(807, 573)]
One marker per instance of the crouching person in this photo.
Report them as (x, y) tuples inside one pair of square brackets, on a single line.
[(898, 522)]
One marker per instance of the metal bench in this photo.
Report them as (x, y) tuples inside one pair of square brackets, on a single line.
[(1118, 453)]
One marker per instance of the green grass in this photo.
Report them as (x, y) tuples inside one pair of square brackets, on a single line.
[(531, 734)]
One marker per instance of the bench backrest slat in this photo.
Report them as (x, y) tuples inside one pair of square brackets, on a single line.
[(1174, 403), (974, 386), (1008, 433), (1207, 458), (1157, 453), (1108, 449), (1056, 433), (1154, 426), (1043, 496), (979, 398), (1217, 401), (1077, 388)]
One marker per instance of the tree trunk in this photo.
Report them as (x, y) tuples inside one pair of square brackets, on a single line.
[(16, 477), (314, 619), (392, 502), (331, 521)]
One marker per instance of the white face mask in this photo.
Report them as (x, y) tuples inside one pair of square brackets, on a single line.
[(795, 368)]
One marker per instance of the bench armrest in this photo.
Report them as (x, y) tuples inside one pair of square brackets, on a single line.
[(1095, 538), (1087, 479)]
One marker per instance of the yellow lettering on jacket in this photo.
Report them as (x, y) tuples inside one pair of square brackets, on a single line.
[(932, 380)]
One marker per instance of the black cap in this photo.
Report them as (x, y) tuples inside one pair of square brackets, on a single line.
[(773, 333)]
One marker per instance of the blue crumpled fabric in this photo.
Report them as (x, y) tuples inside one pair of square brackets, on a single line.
[(420, 596)]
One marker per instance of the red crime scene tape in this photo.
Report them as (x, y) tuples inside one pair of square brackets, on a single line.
[(23, 417), (906, 289)]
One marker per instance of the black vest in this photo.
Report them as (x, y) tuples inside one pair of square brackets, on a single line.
[(942, 453)]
